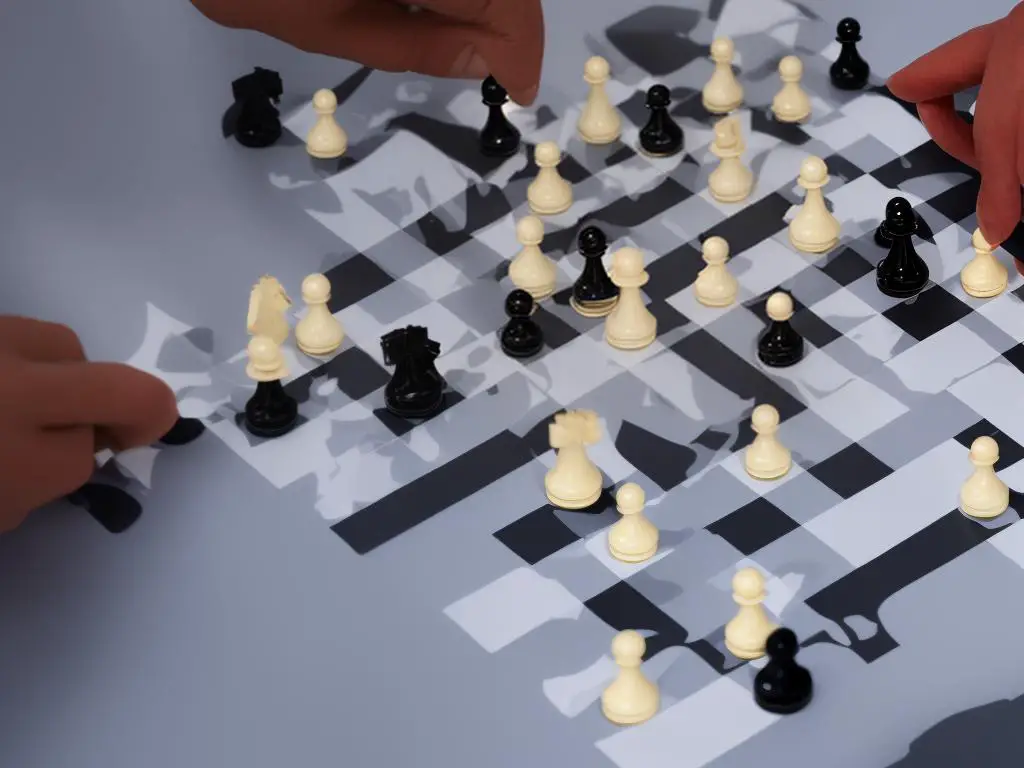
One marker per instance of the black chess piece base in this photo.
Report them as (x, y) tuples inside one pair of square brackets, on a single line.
[(271, 412), (780, 346), (183, 432), (899, 289), (258, 136), (521, 350), (784, 704), (421, 405)]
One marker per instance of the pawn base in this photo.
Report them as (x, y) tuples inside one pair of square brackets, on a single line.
[(984, 293), (658, 155), (733, 197), (716, 302), (747, 654), (599, 140), (581, 502), (630, 344), (780, 707), (320, 154), (543, 208), (816, 248), (632, 557), (900, 290), (780, 359), (790, 119), (270, 425), (601, 308), (629, 718), (987, 513), (184, 431), (522, 352), (767, 473), (319, 351), (539, 293), (502, 150)]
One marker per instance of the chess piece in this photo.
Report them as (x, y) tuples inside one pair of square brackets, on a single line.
[(593, 294), (548, 194), (780, 346), (715, 286), (661, 136), (882, 239), (574, 482), (521, 336), (319, 333), (791, 104), (268, 307), (326, 139), (782, 686), (416, 389), (258, 123), (984, 495), (270, 412), (849, 72), (498, 138), (631, 699), (184, 431), (723, 92), (634, 538), (531, 269), (983, 276), (731, 181), (814, 229), (766, 458), (747, 633), (902, 273), (630, 325), (600, 122)]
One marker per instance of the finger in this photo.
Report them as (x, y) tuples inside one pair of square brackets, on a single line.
[(133, 407), (948, 129), (952, 67), (40, 341)]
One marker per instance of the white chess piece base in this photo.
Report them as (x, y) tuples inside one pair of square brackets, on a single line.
[(579, 503), (323, 351), (620, 717), (988, 513), (808, 247), (764, 471), (632, 557)]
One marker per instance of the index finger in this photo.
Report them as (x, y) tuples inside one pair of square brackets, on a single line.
[(952, 67), (134, 407)]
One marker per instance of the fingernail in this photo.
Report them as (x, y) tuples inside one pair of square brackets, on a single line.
[(470, 65)]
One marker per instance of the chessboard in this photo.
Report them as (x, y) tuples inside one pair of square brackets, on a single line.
[(867, 557)]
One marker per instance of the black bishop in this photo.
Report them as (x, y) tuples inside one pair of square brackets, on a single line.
[(593, 294), (499, 138), (521, 336), (902, 273), (782, 686), (662, 136), (416, 389), (780, 346), (849, 72)]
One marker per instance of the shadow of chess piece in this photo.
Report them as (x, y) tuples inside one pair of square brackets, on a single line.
[(270, 412), (498, 138), (780, 346), (593, 294), (782, 686), (662, 136), (902, 273), (416, 389), (521, 336), (258, 124), (849, 72), (183, 432)]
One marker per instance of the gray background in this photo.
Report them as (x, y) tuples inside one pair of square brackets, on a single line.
[(223, 630)]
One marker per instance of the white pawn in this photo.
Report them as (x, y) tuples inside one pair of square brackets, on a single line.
[(548, 194), (265, 361), (814, 229), (633, 538), (747, 632), (600, 122), (531, 269), (575, 481), (319, 333), (631, 698), (731, 181), (630, 325), (715, 286), (791, 104), (984, 495), (766, 458), (326, 139), (983, 277), (723, 92)]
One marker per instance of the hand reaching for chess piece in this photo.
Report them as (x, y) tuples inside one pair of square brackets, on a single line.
[(991, 55)]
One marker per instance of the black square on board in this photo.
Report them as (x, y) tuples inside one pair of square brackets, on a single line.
[(669, 319), (928, 313), (673, 272), (353, 370), (1010, 452), (840, 167), (557, 332), (1015, 357), (846, 266), (354, 280), (752, 224), (753, 526), (959, 202), (806, 323), (850, 471), (400, 426), (537, 535), (623, 607)]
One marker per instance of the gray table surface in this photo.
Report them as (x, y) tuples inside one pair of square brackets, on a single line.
[(223, 631)]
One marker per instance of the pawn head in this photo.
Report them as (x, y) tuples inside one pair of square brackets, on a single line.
[(324, 100), (316, 289), (596, 70), (591, 241), (779, 307), (748, 584), (899, 217), (530, 230), (813, 170), (262, 351), (492, 91), (791, 68), (715, 250), (764, 418), (547, 154), (658, 97), (630, 498), (978, 241), (848, 31), (628, 262), (519, 303), (722, 49), (629, 646), (782, 644), (985, 450)]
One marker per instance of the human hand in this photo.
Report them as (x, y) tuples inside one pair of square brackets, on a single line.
[(991, 55), (57, 410), (444, 38)]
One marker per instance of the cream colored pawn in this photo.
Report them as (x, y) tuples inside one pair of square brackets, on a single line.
[(326, 139), (983, 277), (319, 333), (630, 325), (731, 181), (548, 194), (631, 699), (265, 361), (600, 122), (984, 495), (814, 229), (634, 538), (791, 104), (747, 633), (575, 481), (723, 92), (715, 286), (531, 269), (766, 458)]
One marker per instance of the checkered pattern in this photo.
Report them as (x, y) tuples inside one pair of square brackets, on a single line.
[(879, 415)]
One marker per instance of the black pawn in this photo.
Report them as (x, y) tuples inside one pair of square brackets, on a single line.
[(593, 294), (662, 136), (499, 138), (782, 686), (271, 412), (521, 336), (416, 389), (902, 273), (780, 346), (183, 432), (259, 123), (849, 72)]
